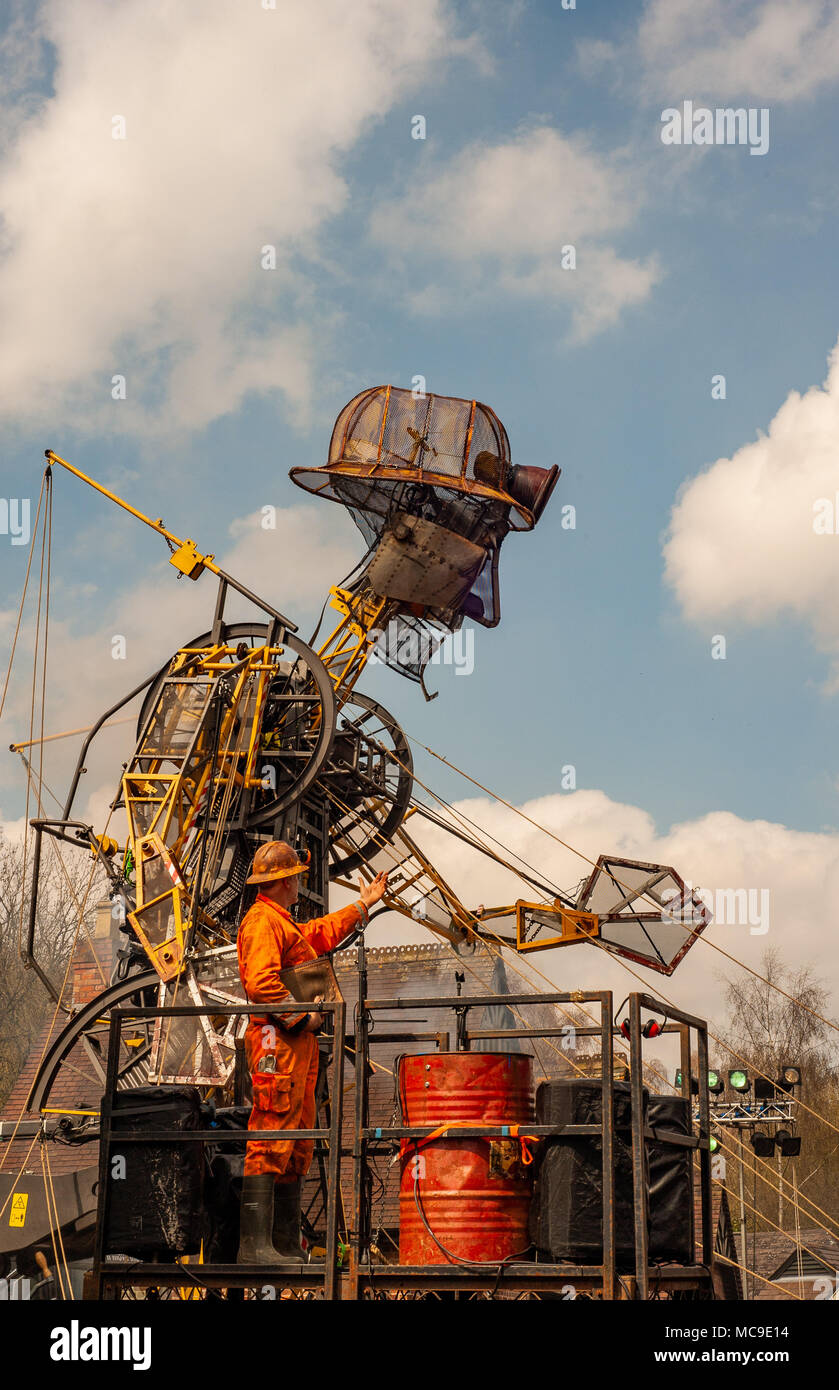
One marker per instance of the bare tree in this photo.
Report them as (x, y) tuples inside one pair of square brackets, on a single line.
[(770, 1028), (24, 1002), (765, 1030)]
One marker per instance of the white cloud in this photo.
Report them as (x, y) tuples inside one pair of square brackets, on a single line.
[(734, 49), (496, 218), (741, 543), (141, 256), (800, 871)]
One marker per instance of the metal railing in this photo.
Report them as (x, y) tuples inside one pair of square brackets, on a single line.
[(366, 1276), (107, 1278)]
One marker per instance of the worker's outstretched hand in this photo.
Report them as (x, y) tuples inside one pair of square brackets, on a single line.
[(314, 1022), (372, 893)]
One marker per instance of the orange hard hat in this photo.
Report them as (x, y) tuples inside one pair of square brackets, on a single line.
[(277, 860)]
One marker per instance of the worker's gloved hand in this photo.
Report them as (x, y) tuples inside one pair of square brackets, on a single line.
[(314, 1022)]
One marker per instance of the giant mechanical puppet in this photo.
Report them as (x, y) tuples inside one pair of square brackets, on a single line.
[(250, 734)]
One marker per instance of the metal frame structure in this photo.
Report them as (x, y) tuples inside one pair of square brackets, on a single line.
[(641, 1134), (365, 1278), (758, 1112), (108, 1280), (198, 803)]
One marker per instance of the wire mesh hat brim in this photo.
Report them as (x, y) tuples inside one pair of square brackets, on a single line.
[(374, 482)]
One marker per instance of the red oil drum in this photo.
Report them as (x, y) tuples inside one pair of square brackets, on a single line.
[(473, 1193)]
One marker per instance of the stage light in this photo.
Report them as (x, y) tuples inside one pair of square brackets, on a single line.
[(764, 1089), (789, 1077), (763, 1144), (694, 1083), (739, 1081), (713, 1143), (789, 1144), (715, 1083)]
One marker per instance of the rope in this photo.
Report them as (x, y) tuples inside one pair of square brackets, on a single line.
[(774, 1224), (738, 1055), (537, 972), (388, 849), (496, 797), (52, 1227), (736, 1265), (81, 907), (571, 1061), (599, 944), (797, 1220), (45, 1155), (769, 1182), (669, 1083), (27, 767), (71, 733)]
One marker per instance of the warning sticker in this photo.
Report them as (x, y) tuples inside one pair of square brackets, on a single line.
[(20, 1201)]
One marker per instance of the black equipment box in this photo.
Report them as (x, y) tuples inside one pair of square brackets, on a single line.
[(671, 1183), (155, 1190), (566, 1218)]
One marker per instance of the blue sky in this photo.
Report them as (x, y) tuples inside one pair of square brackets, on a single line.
[(439, 257)]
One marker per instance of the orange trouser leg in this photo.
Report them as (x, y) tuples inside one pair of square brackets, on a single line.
[(284, 1099), (303, 1149)]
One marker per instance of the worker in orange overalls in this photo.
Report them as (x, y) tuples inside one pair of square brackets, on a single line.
[(282, 1049)]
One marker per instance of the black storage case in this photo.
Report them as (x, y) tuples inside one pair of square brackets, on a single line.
[(566, 1219), (671, 1183), (158, 1207)]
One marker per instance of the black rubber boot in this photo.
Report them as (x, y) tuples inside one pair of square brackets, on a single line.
[(286, 1229), (255, 1221)]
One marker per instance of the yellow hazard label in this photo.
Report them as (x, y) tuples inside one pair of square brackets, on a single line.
[(20, 1201)]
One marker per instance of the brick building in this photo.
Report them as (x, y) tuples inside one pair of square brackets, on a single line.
[(805, 1267), (78, 1085)]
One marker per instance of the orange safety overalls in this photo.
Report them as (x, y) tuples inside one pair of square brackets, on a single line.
[(270, 941)]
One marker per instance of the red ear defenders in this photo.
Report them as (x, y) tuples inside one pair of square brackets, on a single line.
[(651, 1029)]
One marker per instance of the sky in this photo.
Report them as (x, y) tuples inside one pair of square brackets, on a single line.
[(218, 226)]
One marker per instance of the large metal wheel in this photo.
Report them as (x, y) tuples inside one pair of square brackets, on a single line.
[(78, 1055), (367, 780), (82, 1046), (298, 721)]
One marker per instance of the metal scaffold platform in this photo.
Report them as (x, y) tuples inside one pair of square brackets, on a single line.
[(354, 1271)]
